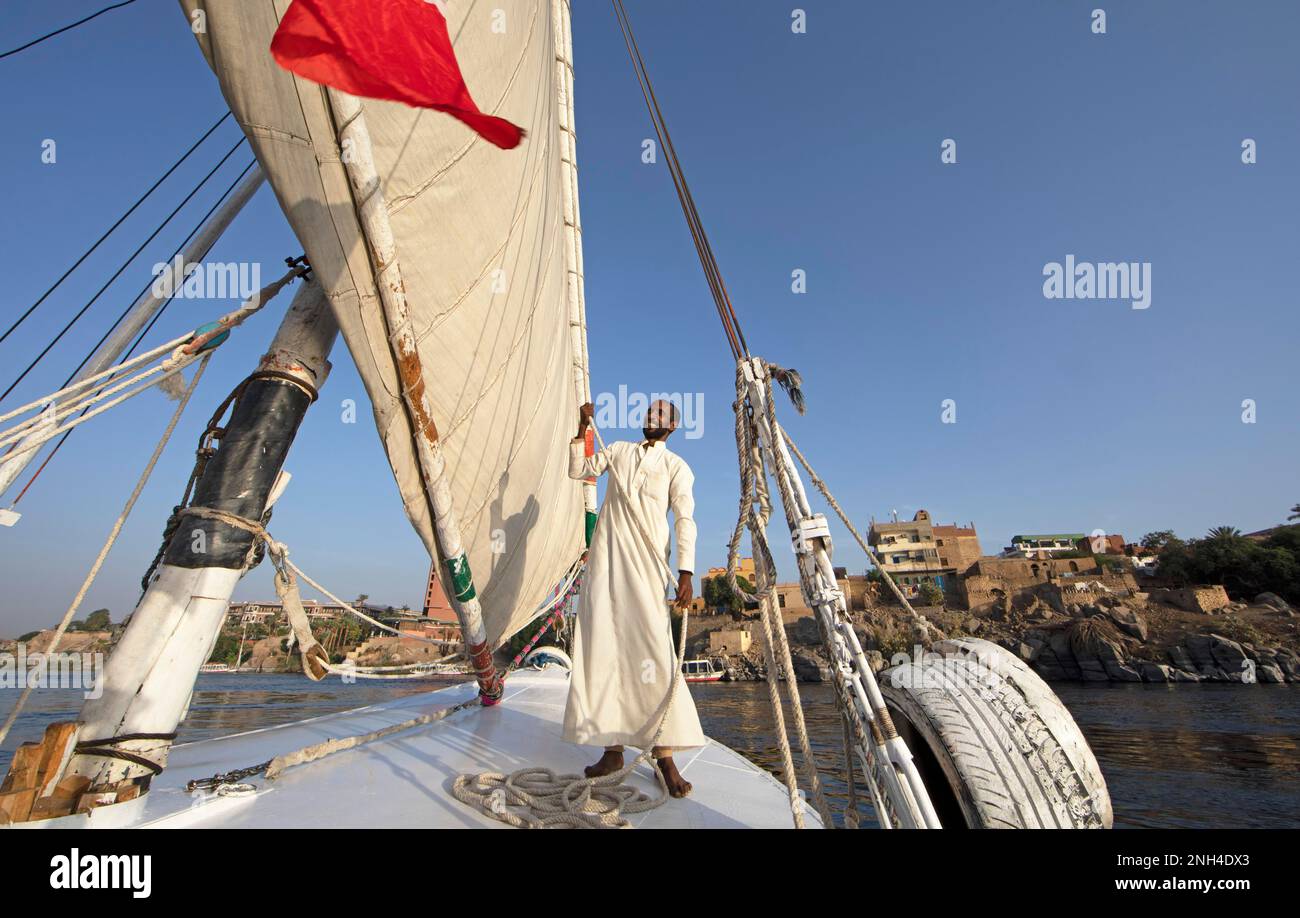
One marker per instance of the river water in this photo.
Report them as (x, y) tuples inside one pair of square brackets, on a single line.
[(1207, 756)]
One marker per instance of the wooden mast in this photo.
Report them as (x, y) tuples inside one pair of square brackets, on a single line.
[(372, 213)]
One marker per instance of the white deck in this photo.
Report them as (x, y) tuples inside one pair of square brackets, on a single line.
[(405, 780)]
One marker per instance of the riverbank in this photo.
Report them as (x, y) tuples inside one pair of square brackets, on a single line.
[(1130, 639)]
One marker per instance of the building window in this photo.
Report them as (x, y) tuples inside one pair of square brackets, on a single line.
[(780, 600)]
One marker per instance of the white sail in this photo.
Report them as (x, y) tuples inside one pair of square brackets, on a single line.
[(491, 274)]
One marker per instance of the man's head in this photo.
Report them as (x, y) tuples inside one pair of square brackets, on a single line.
[(661, 419)]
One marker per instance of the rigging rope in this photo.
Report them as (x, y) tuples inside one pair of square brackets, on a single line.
[(280, 551), (835, 505), (43, 426), (143, 333), (120, 220), (60, 31), (712, 273), (116, 274), (754, 493), (287, 574), (109, 542), (858, 693)]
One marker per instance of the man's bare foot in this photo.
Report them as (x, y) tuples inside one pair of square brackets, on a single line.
[(609, 763), (677, 785)]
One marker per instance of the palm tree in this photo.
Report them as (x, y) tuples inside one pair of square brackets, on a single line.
[(1225, 533), (1295, 513)]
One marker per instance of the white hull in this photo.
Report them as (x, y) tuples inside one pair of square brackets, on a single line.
[(404, 780)]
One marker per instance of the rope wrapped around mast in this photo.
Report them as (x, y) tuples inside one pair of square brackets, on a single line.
[(754, 513)]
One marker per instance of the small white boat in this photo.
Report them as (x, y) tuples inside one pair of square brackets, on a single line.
[(701, 671), (216, 668)]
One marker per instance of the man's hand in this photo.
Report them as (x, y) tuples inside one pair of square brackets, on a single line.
[(585, 414), (684, 590)]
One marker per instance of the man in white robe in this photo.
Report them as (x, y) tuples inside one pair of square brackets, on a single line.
[(623, 653)]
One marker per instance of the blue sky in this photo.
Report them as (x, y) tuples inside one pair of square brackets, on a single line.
[(818, 152)]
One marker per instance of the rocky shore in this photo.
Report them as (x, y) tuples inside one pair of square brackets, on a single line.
[(1113, 639)]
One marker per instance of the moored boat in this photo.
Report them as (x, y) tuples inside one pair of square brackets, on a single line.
[(702, 671)]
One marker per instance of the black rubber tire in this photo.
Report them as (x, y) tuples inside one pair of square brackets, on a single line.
[(1009, 752)]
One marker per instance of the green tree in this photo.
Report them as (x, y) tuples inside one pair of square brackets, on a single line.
[(225, 650), (1156, 541), (1245, 568), (99, 620), (718, 595), (931, 593)]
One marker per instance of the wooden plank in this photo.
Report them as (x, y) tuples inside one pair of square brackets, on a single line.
[(71, 786), (56, 750), (52, 807), (18, 804), (24, 769)]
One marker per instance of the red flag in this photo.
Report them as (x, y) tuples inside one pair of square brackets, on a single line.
[(384, 49)]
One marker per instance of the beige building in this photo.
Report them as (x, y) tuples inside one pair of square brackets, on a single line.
[(744, 568), (730, 640), (265, 613), (991, 580), (857, 590), (917, 551)]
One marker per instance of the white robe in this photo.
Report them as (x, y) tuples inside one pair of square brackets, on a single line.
[(623, 652)]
